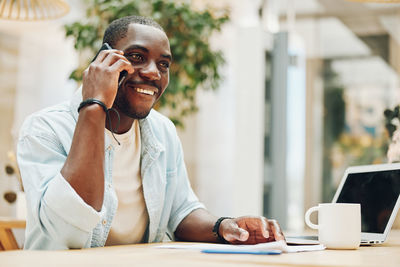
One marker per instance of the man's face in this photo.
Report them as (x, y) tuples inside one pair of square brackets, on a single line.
[(147, 48)]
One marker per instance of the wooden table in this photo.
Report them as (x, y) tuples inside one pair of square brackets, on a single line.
[(385, 255)]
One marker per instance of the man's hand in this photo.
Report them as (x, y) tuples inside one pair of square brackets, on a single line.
[(100, 79), (250, 230)]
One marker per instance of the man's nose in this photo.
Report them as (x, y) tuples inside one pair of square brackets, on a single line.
[(150, 72)]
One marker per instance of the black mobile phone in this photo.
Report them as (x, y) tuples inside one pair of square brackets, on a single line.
[(123, 73)]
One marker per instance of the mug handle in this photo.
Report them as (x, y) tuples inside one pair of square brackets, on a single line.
[(307, 218)]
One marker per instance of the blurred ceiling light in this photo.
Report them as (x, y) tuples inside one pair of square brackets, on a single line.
[(30, 10), (375, 1)]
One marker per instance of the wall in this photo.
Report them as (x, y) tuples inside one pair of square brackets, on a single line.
[(35, 62), (223, 143), (8, 78)]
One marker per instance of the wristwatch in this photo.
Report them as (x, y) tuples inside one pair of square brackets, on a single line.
[(216, 230)]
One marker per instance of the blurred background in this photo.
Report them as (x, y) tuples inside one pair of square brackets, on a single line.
[(301, 96)]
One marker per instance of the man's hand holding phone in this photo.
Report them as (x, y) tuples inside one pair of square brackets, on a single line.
[(101, 78)]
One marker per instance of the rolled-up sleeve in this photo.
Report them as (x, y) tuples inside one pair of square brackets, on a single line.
[(185, 200), (57, 217)]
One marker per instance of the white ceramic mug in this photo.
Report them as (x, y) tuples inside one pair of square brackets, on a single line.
[(339, 225)]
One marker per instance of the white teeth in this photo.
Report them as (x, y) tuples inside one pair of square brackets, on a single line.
[(144, 91)]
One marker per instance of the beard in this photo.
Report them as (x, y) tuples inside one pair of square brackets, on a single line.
[(122, 104)]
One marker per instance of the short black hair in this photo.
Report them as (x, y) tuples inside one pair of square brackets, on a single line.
[(119, 27)]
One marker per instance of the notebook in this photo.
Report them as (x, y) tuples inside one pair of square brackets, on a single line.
[(377, 189)]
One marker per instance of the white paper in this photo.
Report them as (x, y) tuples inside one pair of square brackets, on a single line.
[(277, 245)]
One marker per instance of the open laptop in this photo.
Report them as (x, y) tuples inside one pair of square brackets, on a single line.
[(377, 189)]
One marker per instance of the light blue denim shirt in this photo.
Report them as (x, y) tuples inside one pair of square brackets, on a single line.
[(58, 218)]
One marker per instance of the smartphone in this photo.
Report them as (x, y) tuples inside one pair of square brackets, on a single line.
[(123, 73)]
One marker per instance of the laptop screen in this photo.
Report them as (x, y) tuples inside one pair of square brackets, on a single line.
[(377, 192)]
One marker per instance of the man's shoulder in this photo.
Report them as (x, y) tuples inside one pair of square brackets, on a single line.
[(160, 119), (49, 118), (160, 126)]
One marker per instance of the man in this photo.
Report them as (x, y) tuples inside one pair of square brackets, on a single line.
[(85, 189)]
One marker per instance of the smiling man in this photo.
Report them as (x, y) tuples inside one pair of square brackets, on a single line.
[(107, 169)]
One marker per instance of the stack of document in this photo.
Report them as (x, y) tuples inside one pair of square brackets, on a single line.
[(277, 246)]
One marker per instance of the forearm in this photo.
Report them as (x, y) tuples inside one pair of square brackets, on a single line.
[(197, 227), (84, 167)]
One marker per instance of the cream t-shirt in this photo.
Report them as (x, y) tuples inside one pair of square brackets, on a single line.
[(131, 219)]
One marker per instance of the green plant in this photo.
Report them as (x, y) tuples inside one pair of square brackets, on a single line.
[(334, 123), (195, 64), (392, 119), (392, 123)]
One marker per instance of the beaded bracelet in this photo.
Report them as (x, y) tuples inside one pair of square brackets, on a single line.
[(91, 101)]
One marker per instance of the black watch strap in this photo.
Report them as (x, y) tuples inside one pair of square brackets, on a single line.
[(216, 229)]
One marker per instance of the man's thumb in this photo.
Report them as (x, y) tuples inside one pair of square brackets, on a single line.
[(237, 233)]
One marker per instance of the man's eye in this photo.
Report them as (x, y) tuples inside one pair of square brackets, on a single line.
[(135, 57), (164, 65)]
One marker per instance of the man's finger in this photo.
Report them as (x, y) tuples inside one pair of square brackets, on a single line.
[(104, 53), (276, 230), (234, 232), (265, 227)]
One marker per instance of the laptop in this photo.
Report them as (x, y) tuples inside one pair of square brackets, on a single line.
[(377, 189)]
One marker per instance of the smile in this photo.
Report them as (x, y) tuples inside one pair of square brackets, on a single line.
[(144, 91)]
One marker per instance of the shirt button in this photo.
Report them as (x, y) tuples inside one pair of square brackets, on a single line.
[(109, 186), (104, 222)]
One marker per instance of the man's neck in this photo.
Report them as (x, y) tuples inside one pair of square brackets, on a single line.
[(125, 122)]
